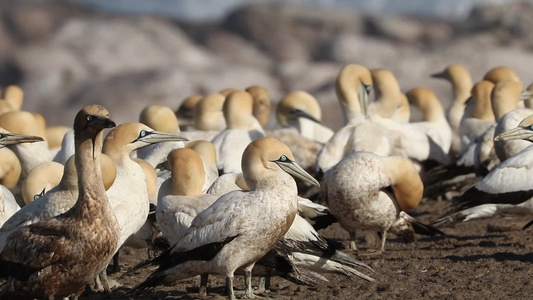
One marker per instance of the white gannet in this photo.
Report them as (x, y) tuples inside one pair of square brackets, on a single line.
[(129, 195), (162, 119), (208, 154), (60, 256), (240, 227), (261, 110), (67, 148), (43, 177), (461, 82), (29, 154), (478, 115), (511, 93), (208, 114), (501, 73), (388, 102), (352, 86), (301, 111), (185, 112), (434, 124), (10, 171), (357, 192), (506, 189), (242, 128), (150, 175), (13, 95)]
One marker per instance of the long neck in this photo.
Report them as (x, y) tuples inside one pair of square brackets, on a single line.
[(92, 195), (462, 88)]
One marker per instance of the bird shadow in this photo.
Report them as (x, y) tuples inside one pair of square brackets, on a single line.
[(499, 256)]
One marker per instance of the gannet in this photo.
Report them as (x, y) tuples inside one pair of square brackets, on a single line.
[(129, 195), (242, 128), (10, 171), (388, 96), (301, 111), (55, 135), (357, 192), (67, 148), (162, 119), (60, 256), (461, 82), (208, 114), (478, 114), (506, 189), (240, 227), (261, 110), (45, 177), (29, 154), (14, 96), (10, 168), (511, 94), (185, 112), (434, 123), (56, 201), (352, 86), (41, 123), (208, 154), (403, 111), (501, 73)]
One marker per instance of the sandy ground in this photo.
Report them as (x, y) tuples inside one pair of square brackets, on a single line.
[(486, 259)]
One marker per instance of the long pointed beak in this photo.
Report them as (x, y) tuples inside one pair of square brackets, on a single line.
[(295, 170), (102, 123), (526, 95), (12, 139), (298, 113), (439, 75), (154, 137), (364, 91), (518, 133)]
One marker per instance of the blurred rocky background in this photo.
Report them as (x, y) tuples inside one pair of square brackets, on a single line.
[(128, 54)]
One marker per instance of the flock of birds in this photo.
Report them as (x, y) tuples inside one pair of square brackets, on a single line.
[(217, 193)]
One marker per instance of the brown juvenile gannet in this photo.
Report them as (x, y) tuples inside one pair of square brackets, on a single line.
[(56, 201), (241, 226), (242, 128), (505, 190), (162, 119), (301, 111), (60, 256), (29, 154), (461, 82), (358, 193), (43, 177), (208, 154), (388, 97), (14, 96)]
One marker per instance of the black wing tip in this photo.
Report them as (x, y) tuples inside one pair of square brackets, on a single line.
[(425, 229)]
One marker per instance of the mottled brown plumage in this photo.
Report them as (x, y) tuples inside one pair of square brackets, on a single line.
[(58, 257)]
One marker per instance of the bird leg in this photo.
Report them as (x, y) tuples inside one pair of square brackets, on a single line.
[(249, 291), (383, 236), (264, 285), (203, 285), (116, 266), (105, 282), (352, 241), (229, 287)]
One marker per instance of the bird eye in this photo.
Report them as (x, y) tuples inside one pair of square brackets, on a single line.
[(2, 135), (89, 118), (368, 88), (283, 158), (531, 127), (143, 133)]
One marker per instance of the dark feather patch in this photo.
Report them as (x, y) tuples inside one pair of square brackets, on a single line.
[(474, 197)]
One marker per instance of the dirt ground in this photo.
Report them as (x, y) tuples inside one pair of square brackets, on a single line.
[(484, 259)]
